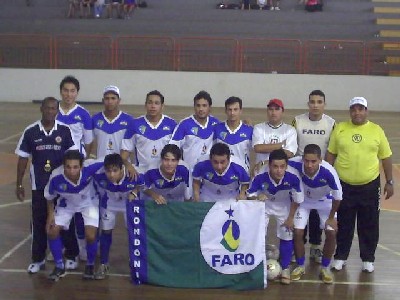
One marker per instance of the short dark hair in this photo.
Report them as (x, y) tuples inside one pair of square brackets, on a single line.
[(233, 100), (73, 155), (317, 93), (220, 149), (278, 154), (313, 149), (113, 159), (202, 95), (173, 149), (49, 99), (155, 93), (70, 79)]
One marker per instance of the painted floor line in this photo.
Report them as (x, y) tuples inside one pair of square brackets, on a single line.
[(27, 201), (11, 137), (15, 248)]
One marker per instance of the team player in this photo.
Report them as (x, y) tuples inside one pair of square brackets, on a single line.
[(194, 134), (170, 179), (110, 125), (234, 132), (323, 193), (221, 177), (314, 127), (279, 185), (80, 122), (274, 134), (115, 188), (72, 185), (45, 141), (149, 134)]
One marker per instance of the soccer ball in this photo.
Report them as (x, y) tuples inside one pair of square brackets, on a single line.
[(273, 269), (272, 252)]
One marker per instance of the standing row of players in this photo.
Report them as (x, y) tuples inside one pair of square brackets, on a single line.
[(225, 170)]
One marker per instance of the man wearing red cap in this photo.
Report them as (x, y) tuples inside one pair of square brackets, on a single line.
[(274, 134)]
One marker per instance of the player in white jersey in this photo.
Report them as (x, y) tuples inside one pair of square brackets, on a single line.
[(115, 188), (314, 127), (279, 185), (194, 135), (110, 125), (72, 185), (168, 180), (148, 135), (322, 192), (274, 134), (234, 132), (221, 177)]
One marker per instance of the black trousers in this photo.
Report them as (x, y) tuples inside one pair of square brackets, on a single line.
[(39, 235), (360, 203), (313, 228)]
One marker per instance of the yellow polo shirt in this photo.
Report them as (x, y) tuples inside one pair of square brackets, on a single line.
[(358, 149)]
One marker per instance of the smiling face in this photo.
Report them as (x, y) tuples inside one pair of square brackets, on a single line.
[(219, 163), (169, 162), (154, 106), (311, 164), (358, 114), (277, 169), (201, 109), (69, 93), (72, 169), (49, 110)]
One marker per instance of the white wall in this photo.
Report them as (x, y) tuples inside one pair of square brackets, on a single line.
[(22, 85)]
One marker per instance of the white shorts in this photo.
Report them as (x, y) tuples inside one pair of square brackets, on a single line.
[(281, 231), (63, 216), (108, 217), (302, 215)]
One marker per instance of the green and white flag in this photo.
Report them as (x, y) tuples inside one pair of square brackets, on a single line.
[(198, 245)]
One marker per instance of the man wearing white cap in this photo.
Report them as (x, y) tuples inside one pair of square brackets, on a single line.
[(274, 134), (355, 149), (110, 125)]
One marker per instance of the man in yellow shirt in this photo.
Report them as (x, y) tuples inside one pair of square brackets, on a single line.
[(355, 149)]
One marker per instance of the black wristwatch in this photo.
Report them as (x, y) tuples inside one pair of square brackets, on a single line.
[(390, 182)]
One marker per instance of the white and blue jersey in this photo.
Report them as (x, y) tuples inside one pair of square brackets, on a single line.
[(146, 140), (109, 134), (178, 188), (281, 194), (113, 196), (322, 188), (46, 150), (74, 196), (219, 187), (79, 121), (194, 139), (239, 140)]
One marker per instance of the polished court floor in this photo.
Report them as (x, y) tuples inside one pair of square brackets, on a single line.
[(15, 283)]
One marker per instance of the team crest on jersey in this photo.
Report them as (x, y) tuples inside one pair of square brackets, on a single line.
[(78, 117), (160, 182), (204, 149), (223, 135), (110, 145), (209, 175), (166, 128), (100, 123), (356, 138), (194, 130), (265, 186), (62, 187), (123, 123), (154, 151), (58, 139), (274, 139), (142, 129)]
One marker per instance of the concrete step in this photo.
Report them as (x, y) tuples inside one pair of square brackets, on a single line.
[(386, 10), (387, 21), (389, 33)]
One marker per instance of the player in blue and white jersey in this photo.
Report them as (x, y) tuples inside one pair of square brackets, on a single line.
[(115, 188), (194, 134), (80, 122), (234, 132), (279, 185), (72, 185), (45, 141), (221, 177), (168, 180), (110, 125), (322, 192), (149, 134)]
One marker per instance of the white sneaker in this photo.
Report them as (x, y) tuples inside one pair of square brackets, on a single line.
[(49, 257), (71, 264), (277, 8), (368, 266), (36, 267), (338, 264), (82, 250), (271, 8)]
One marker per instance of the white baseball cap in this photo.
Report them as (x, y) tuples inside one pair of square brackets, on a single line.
[(358, 100), (112, 89)]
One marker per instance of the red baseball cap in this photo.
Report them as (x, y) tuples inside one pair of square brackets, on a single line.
[(276, 102)]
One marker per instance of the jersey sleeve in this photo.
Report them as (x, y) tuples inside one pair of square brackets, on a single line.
[(297, 190), (384, 147), (291, 141), (254, 187), (178, 135), (127, 141), (69, 142), (258, 135), (24, 147), (87, 128), (49, 192), (332, 146), (197, 171)]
